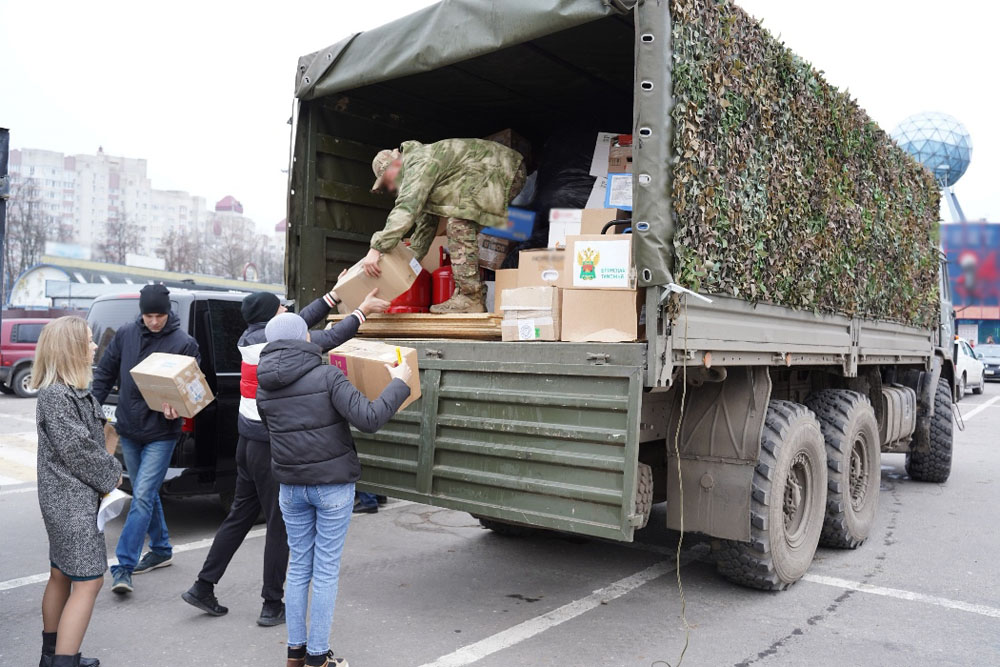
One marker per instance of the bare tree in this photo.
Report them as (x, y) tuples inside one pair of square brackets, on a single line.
[(28, 228), (121, 237), (233, 245), (181, 250)]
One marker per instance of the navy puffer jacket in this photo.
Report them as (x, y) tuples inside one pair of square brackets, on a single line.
[(308, 409), (133, 343)]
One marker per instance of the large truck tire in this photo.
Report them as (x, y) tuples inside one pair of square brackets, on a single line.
[(853, 459), (787, 503), (644, 494), (935, 465)]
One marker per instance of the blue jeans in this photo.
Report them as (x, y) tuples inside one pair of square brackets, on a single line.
[(316, 518), (147, 466)]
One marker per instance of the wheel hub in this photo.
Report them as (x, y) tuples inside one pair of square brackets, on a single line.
[(859, 473), (796, 501)]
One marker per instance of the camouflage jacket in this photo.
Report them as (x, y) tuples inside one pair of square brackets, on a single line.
[(457, 178)]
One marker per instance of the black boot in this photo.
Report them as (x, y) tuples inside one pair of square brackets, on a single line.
[(66, 660), (202, 596), (272, 613), (49, 649)]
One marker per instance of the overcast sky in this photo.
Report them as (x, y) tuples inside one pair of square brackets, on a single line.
[(203, 90)]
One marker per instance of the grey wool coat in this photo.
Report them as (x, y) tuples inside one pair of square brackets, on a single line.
[(74, 471)]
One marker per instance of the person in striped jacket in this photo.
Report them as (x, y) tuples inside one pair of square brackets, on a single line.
[(256, 489)]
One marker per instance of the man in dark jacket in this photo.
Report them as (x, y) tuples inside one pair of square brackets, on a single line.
[(147, 437), (256, 489), (308, 409)]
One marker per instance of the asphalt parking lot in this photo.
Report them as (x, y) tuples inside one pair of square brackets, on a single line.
[(426, 587)]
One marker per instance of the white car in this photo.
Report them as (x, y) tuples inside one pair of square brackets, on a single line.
[(970, 370)]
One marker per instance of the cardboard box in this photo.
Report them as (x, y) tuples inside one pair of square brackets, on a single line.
[(599, 262), (363, 363), (530, 313), (620, 155), (174, 379), (493, 251), (520, 224), (565, 222), (542, 268), (602, 316), (432, 260), (399, 269), (505, 279)]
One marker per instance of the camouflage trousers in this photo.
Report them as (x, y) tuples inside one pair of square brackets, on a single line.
[(463, 245)]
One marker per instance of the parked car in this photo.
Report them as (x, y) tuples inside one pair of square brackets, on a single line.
[(18, 337), (989, 354), (204, 460), (969, 371)]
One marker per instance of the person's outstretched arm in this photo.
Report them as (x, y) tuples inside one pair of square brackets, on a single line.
[(364, 415)]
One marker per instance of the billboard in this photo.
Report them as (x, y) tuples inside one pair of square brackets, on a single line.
[(973, 251)]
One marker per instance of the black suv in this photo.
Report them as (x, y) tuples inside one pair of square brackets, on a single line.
[(204, 460)]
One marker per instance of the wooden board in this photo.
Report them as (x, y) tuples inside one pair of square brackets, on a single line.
[(478, 326)]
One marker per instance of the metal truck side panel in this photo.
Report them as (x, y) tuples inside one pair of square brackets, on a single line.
[(534, 433), (719, 446)]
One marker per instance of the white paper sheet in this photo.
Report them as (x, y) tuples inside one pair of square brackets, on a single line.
[(111, 506), (599, 163), (599, 193)]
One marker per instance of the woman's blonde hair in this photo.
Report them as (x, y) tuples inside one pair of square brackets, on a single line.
[(63, 354)]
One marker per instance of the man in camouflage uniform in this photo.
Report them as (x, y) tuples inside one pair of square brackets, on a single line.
[(467, 182)]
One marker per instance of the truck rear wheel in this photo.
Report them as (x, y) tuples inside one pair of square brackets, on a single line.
[(935, 465), (853, 456), (786, 506)]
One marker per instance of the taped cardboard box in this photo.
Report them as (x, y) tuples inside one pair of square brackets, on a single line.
[(565, 222), (620, 155), (505, 279), (602, 316), (530, 313), (363, 363), (432, 260), (493, 250), (399, 269), (599, 262), (174, 379), (542, 268)]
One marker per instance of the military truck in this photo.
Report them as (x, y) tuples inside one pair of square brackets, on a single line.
[(758, 418)]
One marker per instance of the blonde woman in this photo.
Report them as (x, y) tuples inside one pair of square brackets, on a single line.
[(74, 471)]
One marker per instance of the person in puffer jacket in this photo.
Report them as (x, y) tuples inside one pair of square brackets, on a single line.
[(308, 409), (256, 489)]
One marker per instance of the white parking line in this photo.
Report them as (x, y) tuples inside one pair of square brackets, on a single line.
[(979, 408), (11, 584), (7, 481), (981, 609), (528, 629)]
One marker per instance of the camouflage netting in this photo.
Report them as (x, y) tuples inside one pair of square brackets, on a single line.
[(785, 191)]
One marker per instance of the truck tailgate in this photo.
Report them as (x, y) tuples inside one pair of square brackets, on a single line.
[(544, 434)]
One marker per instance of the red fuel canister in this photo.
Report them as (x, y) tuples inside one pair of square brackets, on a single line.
[(417, 299), (444, 281)]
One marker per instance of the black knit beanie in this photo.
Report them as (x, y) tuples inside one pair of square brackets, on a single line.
[(260, 307), (154, 299)]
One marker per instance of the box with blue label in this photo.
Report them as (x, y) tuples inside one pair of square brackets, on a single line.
[(520, 224), (174, 379)]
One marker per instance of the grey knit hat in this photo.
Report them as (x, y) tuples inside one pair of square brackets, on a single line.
[(287, 326)]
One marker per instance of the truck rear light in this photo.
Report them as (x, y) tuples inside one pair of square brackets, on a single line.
[(187, 426)]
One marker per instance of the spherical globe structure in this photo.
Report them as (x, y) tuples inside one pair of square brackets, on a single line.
[(939, 142)]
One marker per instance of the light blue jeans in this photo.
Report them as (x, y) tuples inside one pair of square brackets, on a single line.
[(147, 466), (316, 518)]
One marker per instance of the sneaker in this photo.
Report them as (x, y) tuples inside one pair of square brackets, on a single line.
[(381, 500), (271, 614), (151, 561), (359, 508), (122, 583), (206, 601), (327, 660)]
